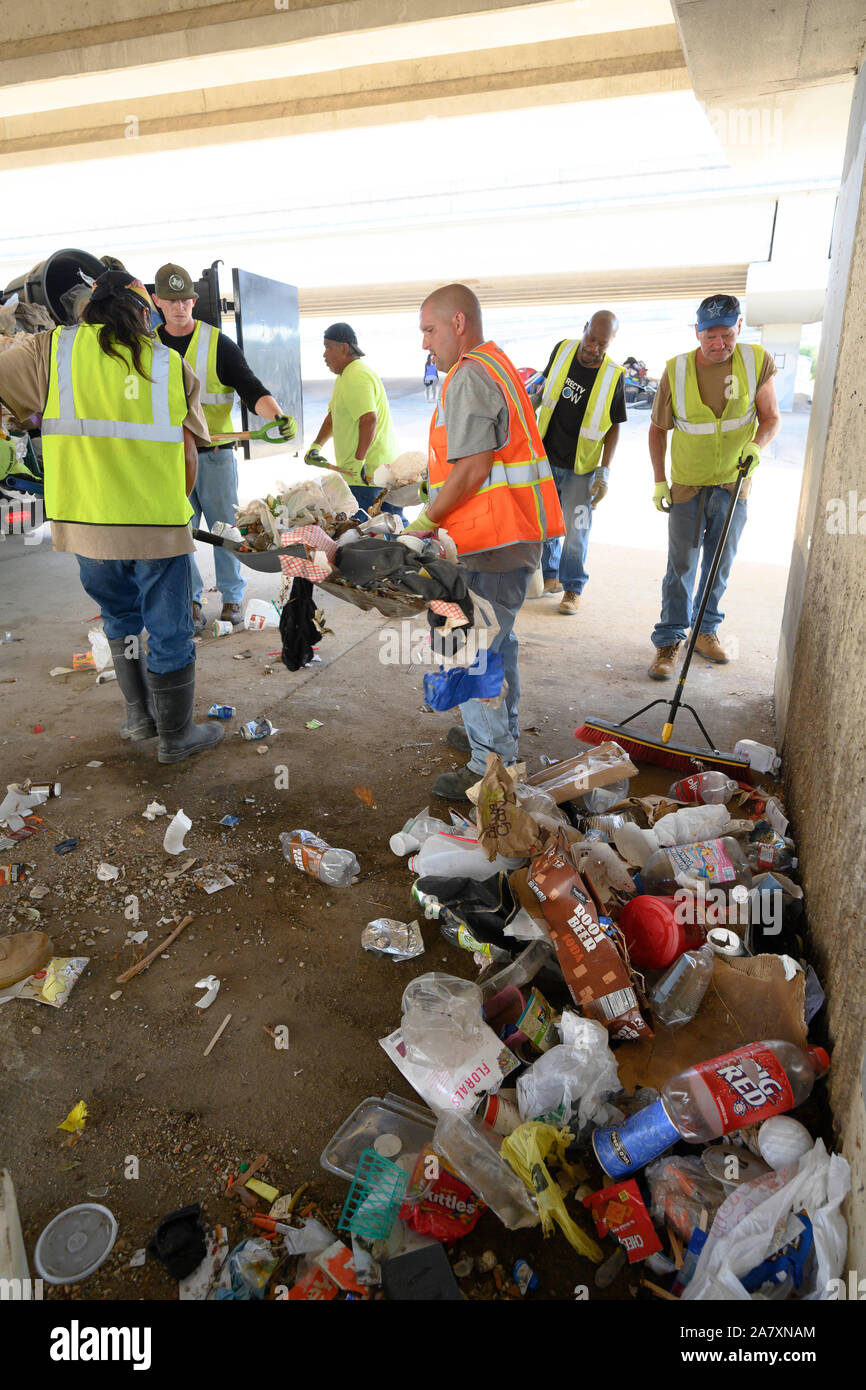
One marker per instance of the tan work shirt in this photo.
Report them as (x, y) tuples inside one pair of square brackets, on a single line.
[(24, 374), (713, 378)]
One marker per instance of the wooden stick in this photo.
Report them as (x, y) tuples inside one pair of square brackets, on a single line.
[(659, 1293), (216, 1037), (148, 960)]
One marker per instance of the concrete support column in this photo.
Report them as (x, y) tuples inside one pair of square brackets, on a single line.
[(819, 674), (783, 341)]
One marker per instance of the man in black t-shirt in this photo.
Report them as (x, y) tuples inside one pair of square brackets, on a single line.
[(582, 406), (222, 372)]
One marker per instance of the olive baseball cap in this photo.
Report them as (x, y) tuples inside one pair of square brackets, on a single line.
[(173, 282)]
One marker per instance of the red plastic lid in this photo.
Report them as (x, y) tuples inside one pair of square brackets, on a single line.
[(653, 935), (819, 1055)]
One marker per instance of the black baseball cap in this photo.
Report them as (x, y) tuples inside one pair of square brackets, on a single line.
[(343, 333)]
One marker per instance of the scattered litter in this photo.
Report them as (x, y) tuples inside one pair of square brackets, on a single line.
[(217, 1035), (93, 764), (107, 873), (105, 676), (216, 883), (154, 809), (184, 868), (174, 836), (222, 711), (399, 940), (314, 724), (66, 846), (255, 729), (230, 821), (116, 995), (157, 951), (137, 1260), (364, 794), (54, 983), (212, 985), (76, 1119)]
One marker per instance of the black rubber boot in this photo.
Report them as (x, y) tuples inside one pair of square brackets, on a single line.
[(132, 679), (172, 695)]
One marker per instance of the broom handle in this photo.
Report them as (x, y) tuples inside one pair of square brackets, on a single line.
[(742, 470)]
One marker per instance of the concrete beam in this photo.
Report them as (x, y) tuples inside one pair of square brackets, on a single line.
[(589, 68)]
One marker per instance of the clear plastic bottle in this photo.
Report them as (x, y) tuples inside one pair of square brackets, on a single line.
[(713, 1098), (717, 863), (678, 995), (776, 853), (464, 1143), (416, 830), (452, 856), (704, 789), (314, 856), (456, 931)]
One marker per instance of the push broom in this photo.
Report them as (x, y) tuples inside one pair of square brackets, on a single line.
[(643, 749)]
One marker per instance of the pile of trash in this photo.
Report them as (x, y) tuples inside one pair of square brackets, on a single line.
[(624, 1068)]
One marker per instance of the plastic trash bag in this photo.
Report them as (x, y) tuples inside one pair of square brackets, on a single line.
[(744, 1232), (580, 1073), (526, 1150)]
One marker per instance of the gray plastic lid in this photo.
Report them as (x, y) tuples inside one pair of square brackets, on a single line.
[(75, 1243)]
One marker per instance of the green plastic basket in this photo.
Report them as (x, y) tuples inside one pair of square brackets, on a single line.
[(375, 1197)]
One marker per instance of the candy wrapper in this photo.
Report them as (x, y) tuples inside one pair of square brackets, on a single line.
[(399, 940), (53, 984), (443, 1206)]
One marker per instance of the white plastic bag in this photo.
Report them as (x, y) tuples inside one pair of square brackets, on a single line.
[(744, 1232), (583, 1069)]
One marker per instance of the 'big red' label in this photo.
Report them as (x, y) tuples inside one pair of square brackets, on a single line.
[(747, 1086)]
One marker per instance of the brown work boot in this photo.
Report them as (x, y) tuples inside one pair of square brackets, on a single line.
[(570, 602), (552, 586), (232, 614), (709, 646), (664, 662)]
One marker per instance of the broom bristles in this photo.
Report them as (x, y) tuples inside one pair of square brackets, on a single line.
[(643, 749)]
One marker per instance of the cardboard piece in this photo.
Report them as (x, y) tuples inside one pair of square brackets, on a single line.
[(597, 767), (503, 826), (749, 999)]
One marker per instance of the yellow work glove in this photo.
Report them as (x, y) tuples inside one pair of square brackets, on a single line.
[(288, 426), (422, 525), (662, 497), (316, 458), (598, 491), (751, 455)]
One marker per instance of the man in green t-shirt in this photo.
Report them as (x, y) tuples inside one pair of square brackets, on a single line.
[(358, 418)]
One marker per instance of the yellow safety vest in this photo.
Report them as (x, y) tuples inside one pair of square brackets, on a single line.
[(112, 440), (217, 399), (596, 419), (706, 448)]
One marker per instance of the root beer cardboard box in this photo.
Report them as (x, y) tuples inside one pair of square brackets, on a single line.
[(594, 970)]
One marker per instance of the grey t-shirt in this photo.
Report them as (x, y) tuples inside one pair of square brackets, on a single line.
[(476, 418)]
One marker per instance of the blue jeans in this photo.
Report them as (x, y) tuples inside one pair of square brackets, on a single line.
[(494, 729), (216, 495), (566, 556), (696, 526), (152, 594), (366, 496)]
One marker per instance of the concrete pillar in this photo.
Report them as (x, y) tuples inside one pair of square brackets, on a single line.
[(783, 341), (821, 667)]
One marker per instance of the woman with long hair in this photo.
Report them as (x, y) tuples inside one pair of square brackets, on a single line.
[(121, 421)]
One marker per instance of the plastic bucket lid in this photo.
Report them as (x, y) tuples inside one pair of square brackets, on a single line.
[(652, 933), (75, 1243)]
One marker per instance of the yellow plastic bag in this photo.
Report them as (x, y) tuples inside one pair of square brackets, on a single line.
[(526, 1150)]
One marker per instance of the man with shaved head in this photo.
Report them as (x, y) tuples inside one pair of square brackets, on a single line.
[(582, 408), (491, 488)]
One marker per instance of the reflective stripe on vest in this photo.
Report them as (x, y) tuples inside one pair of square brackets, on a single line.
[(705, 448), (162, 431), (204, 334), (596, 422), (113, 437), (518, 499)]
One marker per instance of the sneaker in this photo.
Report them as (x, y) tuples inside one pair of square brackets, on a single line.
[(664, 662), (570, 602), (458, 738), (709, 646), (552, 586), (232, 614), (453, 786), (199, 622)]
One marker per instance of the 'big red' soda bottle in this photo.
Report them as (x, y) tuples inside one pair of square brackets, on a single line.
[(711, 1099), (704, 788)]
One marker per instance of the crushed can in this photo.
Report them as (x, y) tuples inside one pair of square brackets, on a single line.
[(222, 711), (256, 729)]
